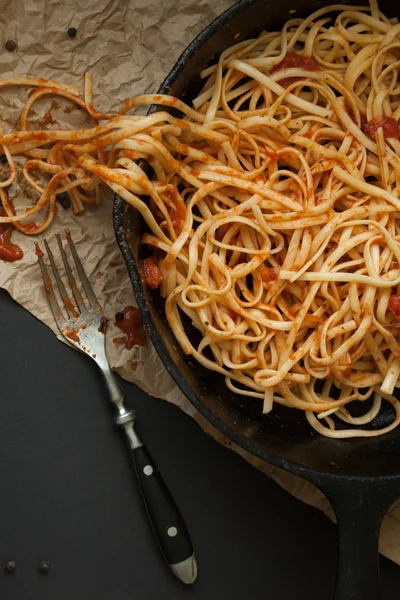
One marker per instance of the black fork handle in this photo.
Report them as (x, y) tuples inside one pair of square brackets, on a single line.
[(360, 505)]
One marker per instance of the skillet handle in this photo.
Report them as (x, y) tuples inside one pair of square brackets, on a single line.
[(360, 507)]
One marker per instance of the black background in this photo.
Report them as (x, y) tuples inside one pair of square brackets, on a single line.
[(68, 494)]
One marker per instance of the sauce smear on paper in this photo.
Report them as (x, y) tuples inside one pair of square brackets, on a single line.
[(129, 321), (8, 251)]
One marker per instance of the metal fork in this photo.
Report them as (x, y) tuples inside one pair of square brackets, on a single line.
[(85, 328)]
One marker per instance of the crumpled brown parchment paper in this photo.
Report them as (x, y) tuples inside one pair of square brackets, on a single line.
[(128, 47)]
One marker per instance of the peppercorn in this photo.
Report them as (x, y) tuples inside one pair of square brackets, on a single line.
[(44, 566), (11, 45), (72, 31), (10, 566), (119, 316), (64, 200)]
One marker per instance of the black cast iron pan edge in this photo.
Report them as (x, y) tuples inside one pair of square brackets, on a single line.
[(359, 502)]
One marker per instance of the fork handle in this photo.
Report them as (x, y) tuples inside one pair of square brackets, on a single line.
[(168, 525)]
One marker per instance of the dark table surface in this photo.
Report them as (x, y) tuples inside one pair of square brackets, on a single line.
[(68, 494)]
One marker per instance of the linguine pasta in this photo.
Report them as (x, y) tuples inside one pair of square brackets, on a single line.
[(272, 206)]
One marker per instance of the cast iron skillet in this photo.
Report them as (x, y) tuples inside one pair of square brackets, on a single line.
[(361, 477)]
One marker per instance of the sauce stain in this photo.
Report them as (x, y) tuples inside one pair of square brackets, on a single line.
[(71, 334), (129, 321), (8, 251)]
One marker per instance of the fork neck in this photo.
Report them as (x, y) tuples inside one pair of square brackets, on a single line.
[(114, 390), (124, 417)]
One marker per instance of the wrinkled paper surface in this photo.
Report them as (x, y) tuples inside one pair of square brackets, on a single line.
[(128, 47)]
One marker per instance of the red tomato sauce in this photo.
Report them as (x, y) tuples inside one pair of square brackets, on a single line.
[(103, 325), (38, 251), (130, 323), (268, 274), (176, 212), (31, 226), (273, 155), (72, 334), (389, 126), (179, 212), (152, 273), (293, 60), (8, 251), (394, 306)]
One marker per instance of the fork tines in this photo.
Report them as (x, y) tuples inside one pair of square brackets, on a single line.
[(72, 310)]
